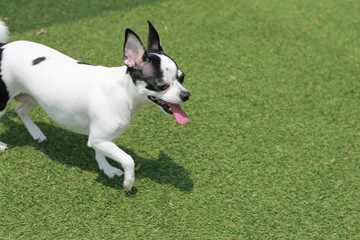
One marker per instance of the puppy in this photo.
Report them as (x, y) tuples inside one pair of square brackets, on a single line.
[(96, 101)]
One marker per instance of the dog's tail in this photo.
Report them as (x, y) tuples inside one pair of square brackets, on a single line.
[(4, 32)]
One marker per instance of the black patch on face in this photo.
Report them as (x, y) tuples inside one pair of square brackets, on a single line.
[(82, 63), (151, 73), (4, 94), (38, 60)]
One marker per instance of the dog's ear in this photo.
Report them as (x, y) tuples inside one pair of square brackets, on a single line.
[(133, 50), (153, 43)]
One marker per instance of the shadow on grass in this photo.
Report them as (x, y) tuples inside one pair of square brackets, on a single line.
[(71, 149), (25, 15)]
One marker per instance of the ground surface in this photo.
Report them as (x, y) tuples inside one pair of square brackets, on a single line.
[(271, 150)]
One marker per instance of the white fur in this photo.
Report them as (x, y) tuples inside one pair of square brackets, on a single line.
[(4, 32), (93, 100), (3, 146)]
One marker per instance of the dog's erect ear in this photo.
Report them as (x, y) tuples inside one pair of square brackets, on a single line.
[(153, 43), (133, 50)]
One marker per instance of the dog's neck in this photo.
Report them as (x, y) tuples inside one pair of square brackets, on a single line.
[(137, 100)]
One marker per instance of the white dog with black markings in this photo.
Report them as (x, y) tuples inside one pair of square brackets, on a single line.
[(93, 100)]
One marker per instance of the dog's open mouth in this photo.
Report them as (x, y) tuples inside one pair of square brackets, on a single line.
[(172, 109), (161, 104)]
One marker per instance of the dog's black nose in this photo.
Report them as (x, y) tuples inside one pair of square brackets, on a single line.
[(184, 96)]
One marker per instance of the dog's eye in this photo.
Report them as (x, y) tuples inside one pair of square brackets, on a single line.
[(181, 78), (162, 86)]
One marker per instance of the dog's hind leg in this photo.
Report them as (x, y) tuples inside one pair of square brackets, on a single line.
[(104, 166), (23, 109)]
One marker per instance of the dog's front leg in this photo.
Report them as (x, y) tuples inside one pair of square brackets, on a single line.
[(110, 150), (104, 166)]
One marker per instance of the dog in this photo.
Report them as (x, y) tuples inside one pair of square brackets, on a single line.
[(96, 101)]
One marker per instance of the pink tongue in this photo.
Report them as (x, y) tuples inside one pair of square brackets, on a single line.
[(179, 114)]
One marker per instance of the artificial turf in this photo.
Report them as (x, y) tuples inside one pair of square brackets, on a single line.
[(271, 150)]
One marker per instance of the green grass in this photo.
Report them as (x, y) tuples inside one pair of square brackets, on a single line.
[(271, 150)]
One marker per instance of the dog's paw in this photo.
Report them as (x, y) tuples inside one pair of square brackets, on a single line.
[(3, 146), (41, 139), (39, 136), (128, 184), (112, 172)]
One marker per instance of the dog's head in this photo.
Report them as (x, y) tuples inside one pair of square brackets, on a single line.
[(155, 74)]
